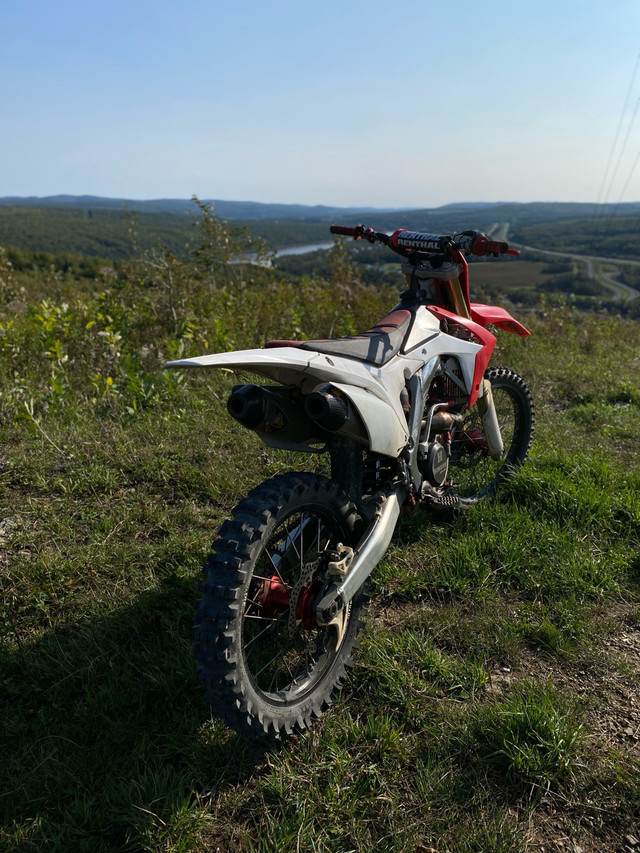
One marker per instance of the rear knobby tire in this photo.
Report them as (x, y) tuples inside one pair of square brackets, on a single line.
[(476, 476), (264, 677)]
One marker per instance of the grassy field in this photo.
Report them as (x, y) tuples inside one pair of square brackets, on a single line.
[(493, 705)]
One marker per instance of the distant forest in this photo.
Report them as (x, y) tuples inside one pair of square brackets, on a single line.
[(84, 243), (117, 234)]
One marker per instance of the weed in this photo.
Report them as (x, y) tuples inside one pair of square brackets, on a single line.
[(115, 476)]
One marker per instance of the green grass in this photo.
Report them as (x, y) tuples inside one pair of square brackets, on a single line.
[(465, 723)]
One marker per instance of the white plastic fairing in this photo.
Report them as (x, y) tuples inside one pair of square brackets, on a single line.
[(445, 345), (387, 435), (375, 391), (425, 327), (283, 364)]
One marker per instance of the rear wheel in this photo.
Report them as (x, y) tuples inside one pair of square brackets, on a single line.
[(267, 667), (475, 474)]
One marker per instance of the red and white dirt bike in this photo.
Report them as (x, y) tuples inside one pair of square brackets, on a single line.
[(409, 413)]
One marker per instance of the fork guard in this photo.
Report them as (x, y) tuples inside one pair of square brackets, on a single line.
[(490, 423)]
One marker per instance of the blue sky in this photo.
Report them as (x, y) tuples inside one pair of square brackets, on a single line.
[(350, 103)]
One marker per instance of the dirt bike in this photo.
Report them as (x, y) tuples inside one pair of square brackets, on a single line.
[(410, 414)]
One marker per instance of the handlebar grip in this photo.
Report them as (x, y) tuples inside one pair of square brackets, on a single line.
[(482, 246), (345, 230)]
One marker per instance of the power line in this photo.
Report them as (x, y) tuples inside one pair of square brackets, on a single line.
[(622, 149), (598, 211), (624, 189)]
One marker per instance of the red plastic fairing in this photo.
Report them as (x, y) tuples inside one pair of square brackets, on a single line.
[(485, 337), (485, 314)]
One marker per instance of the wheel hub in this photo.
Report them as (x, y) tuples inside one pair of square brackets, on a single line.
[(476, 441), (304, 611), (274, 598)]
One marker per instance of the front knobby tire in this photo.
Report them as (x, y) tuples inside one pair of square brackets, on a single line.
[(476, 476), (268, 673)]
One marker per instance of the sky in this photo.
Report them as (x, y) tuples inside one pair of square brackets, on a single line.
[(411, 104)]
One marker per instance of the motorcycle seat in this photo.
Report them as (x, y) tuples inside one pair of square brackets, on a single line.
[(376, 346)]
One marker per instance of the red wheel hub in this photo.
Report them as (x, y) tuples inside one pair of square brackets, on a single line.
[(273, 598), (476, 441), (304, 610)]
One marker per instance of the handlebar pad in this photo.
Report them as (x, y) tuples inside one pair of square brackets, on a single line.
[(404, 239), (467, 242)]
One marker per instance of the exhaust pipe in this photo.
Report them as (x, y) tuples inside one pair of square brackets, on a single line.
[(252, 406), (334, 414), (271, 412)]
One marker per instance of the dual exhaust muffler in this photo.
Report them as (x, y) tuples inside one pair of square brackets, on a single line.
[(268, 409)]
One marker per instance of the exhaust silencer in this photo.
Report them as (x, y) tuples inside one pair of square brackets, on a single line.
[(334, 414), (271, 411), (252, 406)]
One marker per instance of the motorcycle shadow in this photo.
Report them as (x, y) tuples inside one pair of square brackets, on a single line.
[(106, 728)]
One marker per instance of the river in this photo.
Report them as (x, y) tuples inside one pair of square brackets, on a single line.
[(302, 250)]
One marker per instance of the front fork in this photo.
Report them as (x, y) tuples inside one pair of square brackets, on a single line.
[(489, 418)]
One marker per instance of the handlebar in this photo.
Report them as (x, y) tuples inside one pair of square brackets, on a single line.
[(405, 242), (345, 231), (361, 233)]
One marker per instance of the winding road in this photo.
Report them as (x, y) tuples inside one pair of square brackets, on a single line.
[(620, 291)]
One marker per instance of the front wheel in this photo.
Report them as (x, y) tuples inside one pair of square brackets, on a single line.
[(267, 667), (475, 474)]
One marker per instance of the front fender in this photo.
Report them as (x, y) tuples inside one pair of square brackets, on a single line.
[(499, 317)]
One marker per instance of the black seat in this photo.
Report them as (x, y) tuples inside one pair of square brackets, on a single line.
[(376, 346)]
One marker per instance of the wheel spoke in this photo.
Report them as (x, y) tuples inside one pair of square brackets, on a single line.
[(279, 655), (257, 636), (263, 618), (275, 567), (301, 527)]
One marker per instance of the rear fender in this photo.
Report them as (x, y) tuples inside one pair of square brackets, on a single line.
[(372, 390), (285, 365)]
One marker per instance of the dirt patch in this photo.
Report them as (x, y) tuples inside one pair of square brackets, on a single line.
[(608, 681)]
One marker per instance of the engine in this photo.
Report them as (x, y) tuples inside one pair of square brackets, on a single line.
[(435, 452)]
